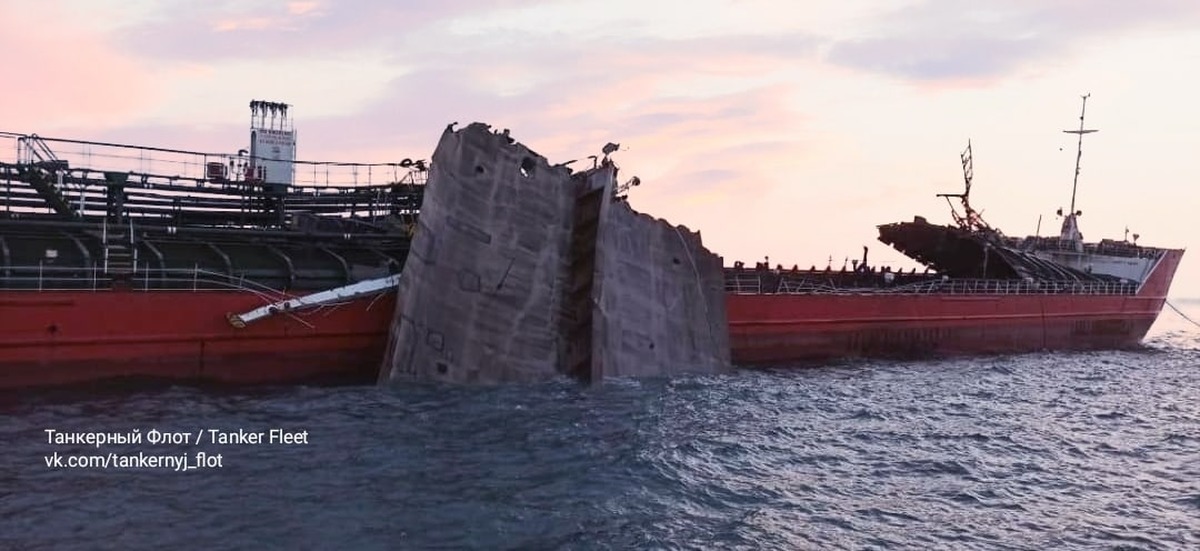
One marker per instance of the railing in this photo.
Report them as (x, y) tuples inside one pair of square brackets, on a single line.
[(745, 283), (184, 187), (754, 283), (39, 149), (74, 278), (1107, 247), (169, 166), (162, 201)]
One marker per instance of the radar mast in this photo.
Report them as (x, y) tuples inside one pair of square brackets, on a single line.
[(1070, 227)]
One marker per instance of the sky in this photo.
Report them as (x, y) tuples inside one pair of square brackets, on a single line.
[(778, 129)]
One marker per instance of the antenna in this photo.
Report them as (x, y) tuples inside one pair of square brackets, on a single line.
[(1079, 154)]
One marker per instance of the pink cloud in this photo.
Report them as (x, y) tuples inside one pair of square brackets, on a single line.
[(229, 30), (939, 40), (302, 8), (244, 24), (75, 78)]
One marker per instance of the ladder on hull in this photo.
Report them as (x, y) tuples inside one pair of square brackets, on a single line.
[(120, 252)]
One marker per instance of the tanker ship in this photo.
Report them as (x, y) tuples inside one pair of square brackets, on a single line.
[(980, 292), (131, 261)]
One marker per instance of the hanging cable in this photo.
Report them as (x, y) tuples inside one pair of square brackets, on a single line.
[(1181, 314)]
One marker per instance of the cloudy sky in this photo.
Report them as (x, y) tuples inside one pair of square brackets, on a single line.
[(786, 129)]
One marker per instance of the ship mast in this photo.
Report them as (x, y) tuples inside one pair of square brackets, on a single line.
[(970, 220), (1070, 229)]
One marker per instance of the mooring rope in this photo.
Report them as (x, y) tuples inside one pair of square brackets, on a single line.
[(1181, 314)]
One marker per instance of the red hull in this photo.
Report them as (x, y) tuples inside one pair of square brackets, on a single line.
[(782, 328), (61, 337)]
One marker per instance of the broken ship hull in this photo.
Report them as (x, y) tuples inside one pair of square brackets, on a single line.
[(779, 328)]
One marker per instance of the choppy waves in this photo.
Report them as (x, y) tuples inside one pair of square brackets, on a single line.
[(1044, 451)]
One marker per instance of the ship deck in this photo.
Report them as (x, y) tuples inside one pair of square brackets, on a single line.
[(76, 179), (799, 282), (93, 215)]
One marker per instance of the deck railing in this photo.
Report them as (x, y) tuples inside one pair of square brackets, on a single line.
[(73, 278), (162, 166), (1106, 247), (756, 283), (175, 187), (743, 283)]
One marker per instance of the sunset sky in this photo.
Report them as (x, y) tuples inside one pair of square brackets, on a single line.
[(788, 129)]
